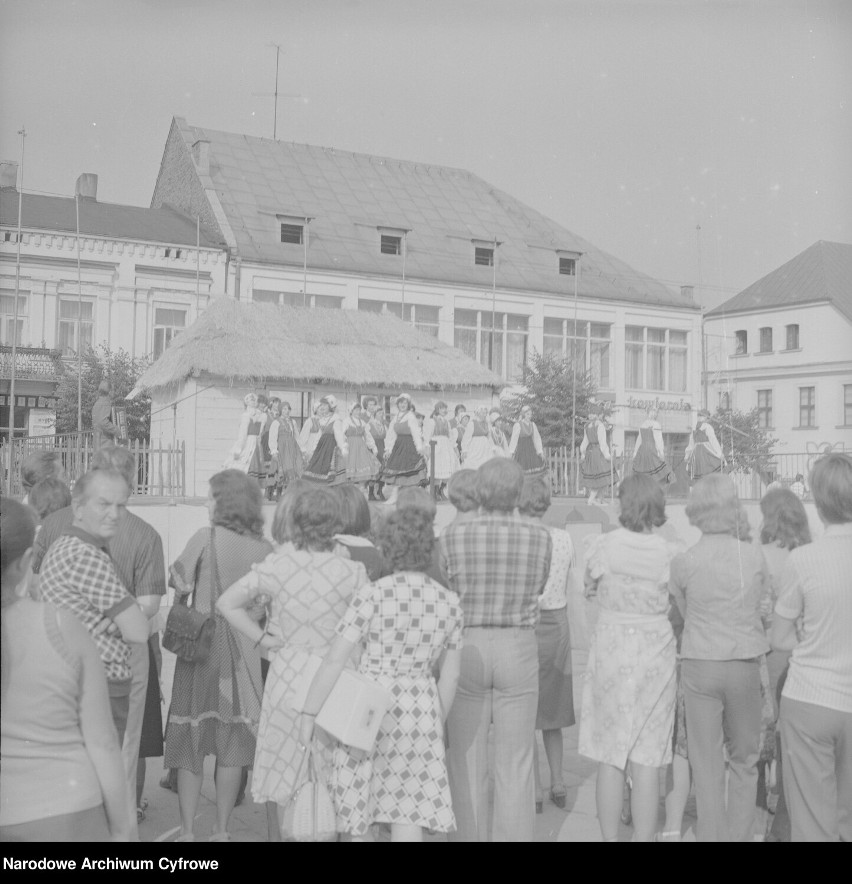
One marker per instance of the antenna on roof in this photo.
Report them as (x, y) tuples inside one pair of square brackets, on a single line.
[(276, 94)]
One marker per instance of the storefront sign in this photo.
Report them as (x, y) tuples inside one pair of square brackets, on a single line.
[(41, 422), (661, 404)]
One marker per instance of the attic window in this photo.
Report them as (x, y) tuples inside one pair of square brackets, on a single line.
[(391, 245), (483, 257), (10, 237), (567, 266), (292, 233), (173, 253)]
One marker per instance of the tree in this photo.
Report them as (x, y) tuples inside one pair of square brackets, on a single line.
[(746, 446), (548, 388), (122, 372)]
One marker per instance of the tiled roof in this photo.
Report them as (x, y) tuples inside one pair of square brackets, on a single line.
[(259, 182), (31, 363), (56, 213), (822, 272)]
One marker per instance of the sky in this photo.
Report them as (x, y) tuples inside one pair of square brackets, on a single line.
[(704, 142)]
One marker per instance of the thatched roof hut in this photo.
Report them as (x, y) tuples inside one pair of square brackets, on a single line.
[(254, 343)]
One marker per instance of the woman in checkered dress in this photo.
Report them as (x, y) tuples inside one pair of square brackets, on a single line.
[(407, 624)]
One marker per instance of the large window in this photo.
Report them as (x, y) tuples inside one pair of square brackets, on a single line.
[(656, 359), (295, 299), (588, 344), (76, 325), (764, 409), (792, 337), (807, 406), (167, 323), (422, 316), (7, 316), (766, 340), (502, 348)]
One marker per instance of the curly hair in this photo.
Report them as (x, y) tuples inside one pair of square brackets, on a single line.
[(643, 503), (785, 521), (406, 540), (237, 503), (463, 490), (282, 522), (535, 498), (38, 466), (354, 510), (415, 497), (714, 508), (315, 519), (49, 496), (831, 484)]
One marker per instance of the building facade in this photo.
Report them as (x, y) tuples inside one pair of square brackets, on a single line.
[(132, 279), (784, 346)]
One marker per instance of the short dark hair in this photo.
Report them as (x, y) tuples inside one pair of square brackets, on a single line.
[(831, 485), (459, 408), (354, 511), (38, 466), (315, 519), (406, 540), (49, 496), (17, 532), (463, 490), (237, 502), (643, 503), (81, 486), (785, 521), (500, 481), (535, 497), (414, 497)]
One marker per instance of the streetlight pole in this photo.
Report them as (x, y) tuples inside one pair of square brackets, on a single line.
[(23, 133)]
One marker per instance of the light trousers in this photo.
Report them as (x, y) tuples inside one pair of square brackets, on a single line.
[(133, 731), (723, 708), (817, 745), (497, 693)]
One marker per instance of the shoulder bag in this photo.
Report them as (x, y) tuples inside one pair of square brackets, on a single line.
[(309, 814)]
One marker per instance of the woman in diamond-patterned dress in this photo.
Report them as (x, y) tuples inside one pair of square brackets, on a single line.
[(310, 588), (406, 624)]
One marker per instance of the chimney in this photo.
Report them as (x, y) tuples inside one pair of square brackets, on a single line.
[(87, 186), (201, 155), (687, 291), (9, 175)]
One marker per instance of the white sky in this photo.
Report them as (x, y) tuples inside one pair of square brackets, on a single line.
[(630, 123)]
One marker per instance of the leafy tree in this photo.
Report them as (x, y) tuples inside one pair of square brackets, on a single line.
[(122, 372), (747, 447), (548, 388)]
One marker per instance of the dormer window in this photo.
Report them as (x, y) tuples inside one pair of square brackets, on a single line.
[(567, 266), (483, 257), (391, 244), (292, 234)]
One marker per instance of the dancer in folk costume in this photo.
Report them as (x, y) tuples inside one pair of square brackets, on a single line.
[(311, 429), (458, 423), (477, 445), (499, 442), (245, 454), (525, 445), (273, 412), (286, 455), (437, 427), (405, 464), (649, 453), (703, 454), (326, 465), (378, 430), (596, 470), (361, 464)]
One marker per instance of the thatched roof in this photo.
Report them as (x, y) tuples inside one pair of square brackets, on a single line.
[(251, 342)]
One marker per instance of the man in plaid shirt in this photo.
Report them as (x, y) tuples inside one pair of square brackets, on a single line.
[(78, 575), (498, 564)]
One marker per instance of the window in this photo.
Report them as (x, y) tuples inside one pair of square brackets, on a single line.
[(502, 348), (7, 316), (847, 405), (567, 266), (76, 326), (292, 233), (295, 299), (10, 237), (167, 323), (656, 359), (588, 344), (391, 245), (483, 257), (766, 340), (807, 406), (764, 409), (725, 401), (422, 316), (792, 337), (742, 343), (173, 253)]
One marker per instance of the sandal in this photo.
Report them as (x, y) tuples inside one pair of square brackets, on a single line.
[(670, 837), (558, 795), (140, 810)]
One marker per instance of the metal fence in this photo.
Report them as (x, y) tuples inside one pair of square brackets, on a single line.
[(160, 469)]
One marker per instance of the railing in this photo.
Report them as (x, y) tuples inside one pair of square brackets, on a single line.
[(160, 469)]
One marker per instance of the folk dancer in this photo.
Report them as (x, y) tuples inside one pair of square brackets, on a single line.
[(525, 445), (437, 427), (287, 459), (596, 469), (477, 445), (703, 454), (649, 452), (361, 466), (311, 429), (378, 430), (245, 454), (405, 464), (325, 465)]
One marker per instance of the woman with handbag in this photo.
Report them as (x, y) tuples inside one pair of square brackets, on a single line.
[(310, 587), (215, 704), (408, 625)]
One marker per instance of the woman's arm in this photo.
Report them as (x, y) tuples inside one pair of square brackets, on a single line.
[(368, 438), (712, 441), (585, 443), (416, 435), (97, 727), (242, 434), (340, 435), (602, 441), (637, 445), (539, 447), (690, 446), (450, 667), (658, 441), (782, 634), (232, 605), (468, 435), (390, 438), (428, 430), (132, 624), (304, 434), (274, 429), (516, 434), (323, 682)]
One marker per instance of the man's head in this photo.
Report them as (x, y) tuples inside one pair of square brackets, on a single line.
[(103, 388), (499, 485), (38, 466), (99, 501)]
